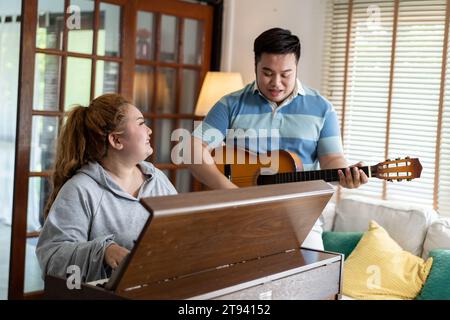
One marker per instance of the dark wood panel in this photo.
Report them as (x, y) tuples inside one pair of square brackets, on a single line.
[(94, 48), (244, 280), (207, 47), (171, 116), (78, 55), (118, 2), (128, 28), (48, 113), (36, 295), (56, 289), (192, 201), (176, 8), (168, 64)]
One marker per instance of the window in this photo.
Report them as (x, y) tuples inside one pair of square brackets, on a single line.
[(386, 75)]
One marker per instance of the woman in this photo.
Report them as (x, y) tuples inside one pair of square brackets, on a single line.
[(94, 214)]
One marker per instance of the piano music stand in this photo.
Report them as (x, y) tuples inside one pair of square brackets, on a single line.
[(233, 244)]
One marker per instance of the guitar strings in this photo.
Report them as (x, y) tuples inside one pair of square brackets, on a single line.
[(250, 178)]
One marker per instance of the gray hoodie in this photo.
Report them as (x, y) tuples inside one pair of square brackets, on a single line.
[(90, 212)]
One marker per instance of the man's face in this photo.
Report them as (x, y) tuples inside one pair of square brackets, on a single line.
[(276, 75)]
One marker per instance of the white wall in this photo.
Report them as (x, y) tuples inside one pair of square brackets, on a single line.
[(244, 20)]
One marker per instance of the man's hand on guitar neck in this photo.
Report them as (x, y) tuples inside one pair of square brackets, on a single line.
[(352, 177)]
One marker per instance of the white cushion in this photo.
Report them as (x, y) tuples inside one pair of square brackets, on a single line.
[(328, 215), (438, 236), (314, 238), (407, 224)]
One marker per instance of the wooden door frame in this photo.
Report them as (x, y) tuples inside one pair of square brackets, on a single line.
[(23, 147), (24, 116)]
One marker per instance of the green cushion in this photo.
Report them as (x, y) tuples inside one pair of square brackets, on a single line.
[(341, 242), (437, 286)]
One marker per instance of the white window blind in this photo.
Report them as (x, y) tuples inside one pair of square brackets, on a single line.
[(389, 63), (444, 169)]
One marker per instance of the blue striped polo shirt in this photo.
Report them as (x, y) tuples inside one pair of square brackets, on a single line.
[(305, 123)]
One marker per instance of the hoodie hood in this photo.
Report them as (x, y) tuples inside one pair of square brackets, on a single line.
[(96, 172)]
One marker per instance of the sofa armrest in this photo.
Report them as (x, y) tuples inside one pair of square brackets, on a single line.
[(437, 285), (341, 242)]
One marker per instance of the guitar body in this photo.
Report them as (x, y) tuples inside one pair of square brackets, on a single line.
[(243, 167)]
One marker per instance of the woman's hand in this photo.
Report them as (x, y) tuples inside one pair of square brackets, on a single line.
[(114, 255)]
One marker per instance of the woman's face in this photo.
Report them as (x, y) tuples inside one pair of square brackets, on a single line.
[(135, 139)]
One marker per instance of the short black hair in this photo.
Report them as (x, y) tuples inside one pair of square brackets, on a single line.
[(276, 41)]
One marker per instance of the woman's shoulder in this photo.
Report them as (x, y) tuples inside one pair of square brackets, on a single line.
[(80, 183)]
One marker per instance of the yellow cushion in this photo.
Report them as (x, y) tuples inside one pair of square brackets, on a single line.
[(378, 268)]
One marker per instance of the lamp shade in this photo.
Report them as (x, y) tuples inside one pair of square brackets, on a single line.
[(215, 86)]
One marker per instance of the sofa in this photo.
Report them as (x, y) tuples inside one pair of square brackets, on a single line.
[(419, 230)]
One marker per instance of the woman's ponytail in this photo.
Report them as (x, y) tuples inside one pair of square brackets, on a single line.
[(70, 151)]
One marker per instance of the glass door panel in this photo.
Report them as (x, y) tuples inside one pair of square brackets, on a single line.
[(163, 132), (78, 82), (33, 273), (81, 26), (189, 92), (47, 73), (145, 47), (108, 41), (143, 87), (43, 143), (166, 90), (38, 192), (184, 180), (50, 24), (106, 77), (192, 41), (169, 39)]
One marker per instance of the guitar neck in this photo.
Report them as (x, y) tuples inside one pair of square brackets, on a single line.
[(329, 175)]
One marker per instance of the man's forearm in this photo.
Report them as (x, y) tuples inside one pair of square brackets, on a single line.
[(209, 175), (333, 162), (206, 171)]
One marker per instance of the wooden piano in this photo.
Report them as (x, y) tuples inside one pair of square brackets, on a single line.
[(236, 244)]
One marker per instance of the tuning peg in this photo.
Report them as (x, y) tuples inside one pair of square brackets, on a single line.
[(387, 160), (407, 158), (390, 180), (408, 179)]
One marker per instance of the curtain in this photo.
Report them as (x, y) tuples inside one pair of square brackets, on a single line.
[(9, 74)]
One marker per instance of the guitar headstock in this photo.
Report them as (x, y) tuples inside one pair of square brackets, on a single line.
[(398, 169)]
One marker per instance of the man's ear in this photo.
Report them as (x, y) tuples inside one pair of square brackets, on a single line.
[(114, 141)]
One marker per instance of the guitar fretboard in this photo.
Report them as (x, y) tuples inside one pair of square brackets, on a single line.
[(329, 175)]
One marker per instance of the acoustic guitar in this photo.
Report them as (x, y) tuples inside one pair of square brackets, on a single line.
[(245, 168)]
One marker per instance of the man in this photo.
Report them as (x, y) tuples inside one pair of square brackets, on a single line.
[(306, 122)]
